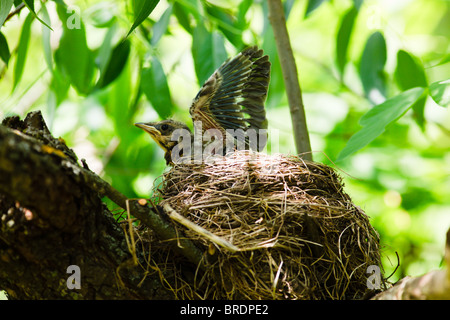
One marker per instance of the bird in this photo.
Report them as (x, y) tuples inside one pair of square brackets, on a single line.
[(231, 100)]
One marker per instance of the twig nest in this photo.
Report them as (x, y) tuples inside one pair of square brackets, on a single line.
[(289, 230)]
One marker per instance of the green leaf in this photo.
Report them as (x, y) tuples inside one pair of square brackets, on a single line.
[(440, 92), (276, 84), (22, 49), (101, 15), (243, 7), (226, 23), (59, 87), (208, 51), (155, 87), (30, 6), (116, 63), (312, 5), (444, 60), (409, 74), (343, 38), (160, 27), (142, 9), (73, 56), (376, 119), (46, 39), (5, 7), (181, 13), (287, 7), (118, 100), (104, 52), (358, 3), (4, 49), (371, 67)]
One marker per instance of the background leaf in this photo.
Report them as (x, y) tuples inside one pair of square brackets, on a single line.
[(410, 74), (46, 36), (4, 49), (160, 27), (440, 92), (22, 49), (371, 68), (377, 118), (208, 52), (73, 55), (116, 63), (5, 7), (155, 87), (182, 15), (142, 9), (226, 24), (311, 6), (343, 38), (30, 6)]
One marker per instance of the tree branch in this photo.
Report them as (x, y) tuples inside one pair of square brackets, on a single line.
[(289, 69), (52, 216)]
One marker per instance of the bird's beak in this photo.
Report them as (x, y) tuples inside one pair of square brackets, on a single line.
[(148, 127), (152, 131)]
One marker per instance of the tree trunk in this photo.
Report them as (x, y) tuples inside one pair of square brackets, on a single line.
[(52, 218)]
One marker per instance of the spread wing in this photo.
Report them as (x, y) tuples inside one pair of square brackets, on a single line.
[(233, 97)]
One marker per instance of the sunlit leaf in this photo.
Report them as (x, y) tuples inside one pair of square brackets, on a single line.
[(22, 49), (376, 119), (371, 68), (155, 87), (142, 9), (5, 7), (160, 27), (440, 92), (4, 49), (116, 63), (343, 38)]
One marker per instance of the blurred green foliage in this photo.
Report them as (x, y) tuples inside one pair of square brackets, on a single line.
[(374, 75)]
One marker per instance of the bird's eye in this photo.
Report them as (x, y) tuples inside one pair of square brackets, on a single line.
[(164, 127)]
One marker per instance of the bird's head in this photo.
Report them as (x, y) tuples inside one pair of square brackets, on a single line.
[(162, 131)]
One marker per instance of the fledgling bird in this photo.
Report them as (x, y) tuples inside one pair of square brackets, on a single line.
[(231, 99)]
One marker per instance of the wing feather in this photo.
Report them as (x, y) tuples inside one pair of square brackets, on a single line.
[(233, 97)]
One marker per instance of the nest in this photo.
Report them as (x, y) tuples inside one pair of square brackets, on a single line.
[(274, 227)]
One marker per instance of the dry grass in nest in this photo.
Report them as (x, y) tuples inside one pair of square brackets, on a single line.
[(287, 229)]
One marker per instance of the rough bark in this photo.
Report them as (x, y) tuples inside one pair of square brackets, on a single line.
[(52, 216)]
